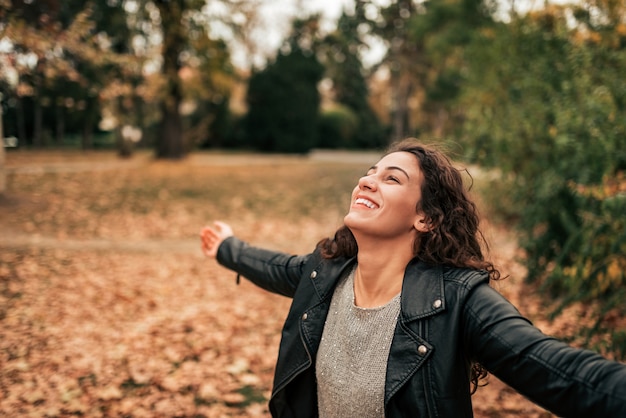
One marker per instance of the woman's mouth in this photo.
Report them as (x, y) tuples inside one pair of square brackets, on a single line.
[(365, 202)]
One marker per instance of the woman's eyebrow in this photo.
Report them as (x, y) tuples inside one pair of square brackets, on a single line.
[(392, 167), (399, 169)]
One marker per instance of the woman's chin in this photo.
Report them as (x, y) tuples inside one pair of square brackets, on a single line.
[(351, 221)]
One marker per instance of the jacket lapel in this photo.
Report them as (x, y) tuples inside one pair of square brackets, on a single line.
[(422, 297), (323, 278), (327, 273)]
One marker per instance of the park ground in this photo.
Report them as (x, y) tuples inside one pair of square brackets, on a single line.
[(109, 309)]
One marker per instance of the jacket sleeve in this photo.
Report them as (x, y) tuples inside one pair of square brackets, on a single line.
[(271, 270), (567, 381)]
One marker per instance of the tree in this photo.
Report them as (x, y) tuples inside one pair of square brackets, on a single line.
[(209, 80), (340, 51), (183, 24), (75, 58), (170, 139), (33, 50), (405, 62), (283, 99), (425, 59), (64, 54)]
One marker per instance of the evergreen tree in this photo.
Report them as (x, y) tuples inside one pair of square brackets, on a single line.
[(283, 99), (344, 67)]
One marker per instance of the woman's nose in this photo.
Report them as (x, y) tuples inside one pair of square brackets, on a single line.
[(366, 182)]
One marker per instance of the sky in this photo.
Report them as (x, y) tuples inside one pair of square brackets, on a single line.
[(277, 16)]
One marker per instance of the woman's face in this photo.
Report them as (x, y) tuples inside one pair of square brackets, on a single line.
[(384, 201)]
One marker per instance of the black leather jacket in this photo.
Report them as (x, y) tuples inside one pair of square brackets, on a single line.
[(449, 318)]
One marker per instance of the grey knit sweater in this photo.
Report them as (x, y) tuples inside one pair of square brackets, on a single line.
[(352, 357)]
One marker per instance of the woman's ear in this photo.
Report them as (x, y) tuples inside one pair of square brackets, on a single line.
[(422, 224)]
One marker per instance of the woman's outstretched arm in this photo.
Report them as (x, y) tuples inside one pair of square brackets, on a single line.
[(274, 271)]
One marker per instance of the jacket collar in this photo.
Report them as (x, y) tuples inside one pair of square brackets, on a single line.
[(422, 287), (422, 291), (327, 273)]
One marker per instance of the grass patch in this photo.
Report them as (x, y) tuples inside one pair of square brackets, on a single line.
[(251, 395)]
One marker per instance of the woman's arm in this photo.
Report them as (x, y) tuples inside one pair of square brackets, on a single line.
[(569, 382), (271, 270)]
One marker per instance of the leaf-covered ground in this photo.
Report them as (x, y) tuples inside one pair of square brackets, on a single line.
[(108, 308)]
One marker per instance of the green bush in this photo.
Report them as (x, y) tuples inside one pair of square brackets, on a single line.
[(547, 108), (591, 267), (338, 127)]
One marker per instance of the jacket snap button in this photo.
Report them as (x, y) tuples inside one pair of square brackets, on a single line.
[(422, 350), (304, 317), (437, 304), (314, 274)]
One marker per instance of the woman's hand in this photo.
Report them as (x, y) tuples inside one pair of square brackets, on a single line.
[(213, 236)]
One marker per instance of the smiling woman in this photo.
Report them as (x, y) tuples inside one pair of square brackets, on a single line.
[(394, 315)]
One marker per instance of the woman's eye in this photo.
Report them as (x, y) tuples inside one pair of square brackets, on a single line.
[(393, 178)]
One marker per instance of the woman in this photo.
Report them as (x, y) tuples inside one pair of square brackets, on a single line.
[(394, 316)]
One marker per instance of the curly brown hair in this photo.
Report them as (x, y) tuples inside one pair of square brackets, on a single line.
[(453, 238)]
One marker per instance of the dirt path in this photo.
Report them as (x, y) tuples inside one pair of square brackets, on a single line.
[(18, 240)]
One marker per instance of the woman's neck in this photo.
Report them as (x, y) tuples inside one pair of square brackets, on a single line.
[(379, 274)]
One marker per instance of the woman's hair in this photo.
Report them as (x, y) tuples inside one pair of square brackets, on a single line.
[(453, 237)]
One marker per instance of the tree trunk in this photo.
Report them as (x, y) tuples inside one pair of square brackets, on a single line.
[(170, 141), (401, 118), (140, 117), (90, 111), (37, 121), (21, 125), (60, 123)]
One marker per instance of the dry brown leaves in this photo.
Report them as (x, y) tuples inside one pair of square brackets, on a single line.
[(118, 334), (156, 330)]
